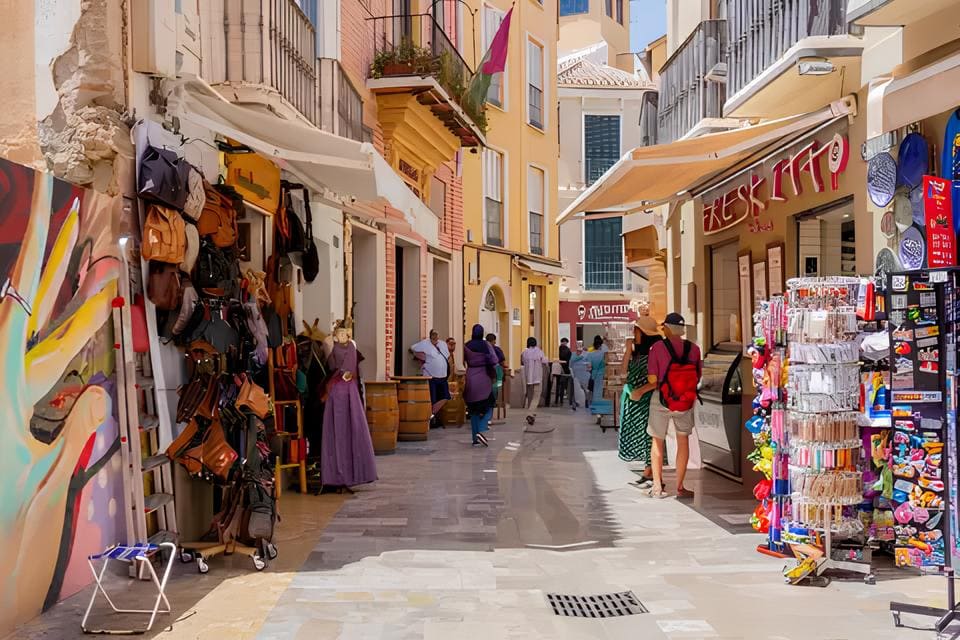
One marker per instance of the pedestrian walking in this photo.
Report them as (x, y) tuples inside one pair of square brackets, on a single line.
[(580, 372), (434, 358), (597, 357), (501, 367), (481, 362), (633, 441), (675, 367), (563, 379), (532, 360)]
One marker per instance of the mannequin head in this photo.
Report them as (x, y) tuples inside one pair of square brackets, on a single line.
[(341, 331)]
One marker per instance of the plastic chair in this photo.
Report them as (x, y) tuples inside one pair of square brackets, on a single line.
[(138, 555)]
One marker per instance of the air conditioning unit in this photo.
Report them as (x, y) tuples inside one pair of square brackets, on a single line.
[(188, 38), (154, 37)]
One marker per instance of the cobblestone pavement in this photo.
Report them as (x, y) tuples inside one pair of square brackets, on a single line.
[(456, 542)]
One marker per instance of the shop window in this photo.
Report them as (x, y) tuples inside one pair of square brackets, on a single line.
[(535, 84), (535, 198), (491, 22), (601, 145), (493, 210), (603, 254), (573, 7)]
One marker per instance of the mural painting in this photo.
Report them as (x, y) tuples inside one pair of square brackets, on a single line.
[(60, 483)]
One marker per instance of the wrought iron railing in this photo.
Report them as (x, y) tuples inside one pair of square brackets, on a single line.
[(417, 45), (604, 272), (686, 95), (759, 32), (272, 42)]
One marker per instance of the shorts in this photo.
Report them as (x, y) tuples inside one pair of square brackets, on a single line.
[(660, 418), (439, 390)]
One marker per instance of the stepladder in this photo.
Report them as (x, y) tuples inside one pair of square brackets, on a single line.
[(287, 407)]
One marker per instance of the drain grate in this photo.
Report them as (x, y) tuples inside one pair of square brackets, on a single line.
[(605, 605)]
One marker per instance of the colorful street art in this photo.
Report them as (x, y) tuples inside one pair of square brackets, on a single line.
[(60, 483)]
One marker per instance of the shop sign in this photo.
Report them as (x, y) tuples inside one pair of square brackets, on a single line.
[(785, 178), (938, 221), (613, 311)]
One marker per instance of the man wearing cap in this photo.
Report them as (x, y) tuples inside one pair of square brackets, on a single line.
[(658, 366)]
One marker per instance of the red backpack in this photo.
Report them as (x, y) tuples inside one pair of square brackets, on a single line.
[(678, 389)]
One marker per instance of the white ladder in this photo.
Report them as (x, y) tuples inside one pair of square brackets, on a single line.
[(140, 424)]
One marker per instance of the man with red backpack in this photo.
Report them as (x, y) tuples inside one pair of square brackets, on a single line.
[(675, 367)]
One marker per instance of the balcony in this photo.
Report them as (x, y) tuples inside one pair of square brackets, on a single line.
[(414, 59), (894, 13), (269, 57), (692, 84), (788, 56)]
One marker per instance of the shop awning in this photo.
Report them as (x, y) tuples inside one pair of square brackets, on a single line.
[(648, 176), (546, 268), (894, 102), (322, 160)]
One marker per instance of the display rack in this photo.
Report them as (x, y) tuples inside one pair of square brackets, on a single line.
[(821, 435)]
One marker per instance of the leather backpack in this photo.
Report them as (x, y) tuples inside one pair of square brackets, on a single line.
[(214, 269), (164, 286), (218, 220), (163, 177), (164, 235)]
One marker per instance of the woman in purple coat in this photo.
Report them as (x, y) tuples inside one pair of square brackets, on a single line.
[(481, 361)]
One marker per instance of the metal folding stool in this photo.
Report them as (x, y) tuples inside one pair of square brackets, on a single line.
[(139, 556)]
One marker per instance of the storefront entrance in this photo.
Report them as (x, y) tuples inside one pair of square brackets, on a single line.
[(826, 241), (406, 324), (535, 316)]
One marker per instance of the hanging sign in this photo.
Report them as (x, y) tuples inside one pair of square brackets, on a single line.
[(606, 311), (938, 221), (777, 183)]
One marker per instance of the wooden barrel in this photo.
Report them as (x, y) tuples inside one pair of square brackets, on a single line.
[(454, 412), (383, 415), (413, 396)]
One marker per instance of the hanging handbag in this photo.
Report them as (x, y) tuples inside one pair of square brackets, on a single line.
[(253, 397), (213, 455), (183, 441), (311, 258), (163, 177), (164, 235), (163, 286), (196, 195)]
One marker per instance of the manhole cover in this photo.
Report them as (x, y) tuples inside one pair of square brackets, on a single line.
[(605, 605)]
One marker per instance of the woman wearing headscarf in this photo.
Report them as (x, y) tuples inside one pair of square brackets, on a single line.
[(481, 361), (633, 440)]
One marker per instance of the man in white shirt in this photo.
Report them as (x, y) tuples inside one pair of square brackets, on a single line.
[(434, 357), (532, 359)]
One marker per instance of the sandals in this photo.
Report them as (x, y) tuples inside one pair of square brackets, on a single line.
[(654, 493)]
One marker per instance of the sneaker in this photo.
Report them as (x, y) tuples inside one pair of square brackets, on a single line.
[(685, 494), (531, 420), (482, 440)]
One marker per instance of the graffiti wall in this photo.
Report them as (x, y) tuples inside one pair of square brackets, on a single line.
[(60, 483)]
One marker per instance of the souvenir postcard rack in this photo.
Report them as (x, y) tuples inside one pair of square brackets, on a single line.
[(923, 322)]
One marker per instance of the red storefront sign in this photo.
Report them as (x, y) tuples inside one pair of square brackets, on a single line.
[(938, 221), (749, 200), (602, 311)]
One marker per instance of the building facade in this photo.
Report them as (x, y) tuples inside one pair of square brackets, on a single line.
[(511, 271)]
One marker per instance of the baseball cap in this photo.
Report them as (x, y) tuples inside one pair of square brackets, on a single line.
[(674, 319)]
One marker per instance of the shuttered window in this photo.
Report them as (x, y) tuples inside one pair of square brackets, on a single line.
[(603, 254), (601, 145), (493, 196), (535, 199), (491, 22), (535, 84)]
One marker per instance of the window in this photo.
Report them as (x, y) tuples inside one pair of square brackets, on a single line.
[(493, 196), (349, 109), (491, 22), (603, 255), (573, 7), (601, 145), (620, 11), (535, 84), (608, 4), (535, 198)]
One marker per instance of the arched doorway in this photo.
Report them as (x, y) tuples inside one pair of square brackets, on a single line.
[(495, 315)]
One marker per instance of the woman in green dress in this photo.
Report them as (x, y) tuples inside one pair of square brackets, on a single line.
[(633, 440)]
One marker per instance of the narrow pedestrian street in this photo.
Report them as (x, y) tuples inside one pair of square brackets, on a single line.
[(459, 542)]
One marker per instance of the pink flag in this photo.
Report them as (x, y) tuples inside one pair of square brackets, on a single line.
[(497, 53)]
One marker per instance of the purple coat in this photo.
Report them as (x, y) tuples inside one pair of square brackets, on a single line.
[(479, 384)]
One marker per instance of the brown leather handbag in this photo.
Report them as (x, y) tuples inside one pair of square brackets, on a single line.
[(253, 397), (214, 454), (182, 441)]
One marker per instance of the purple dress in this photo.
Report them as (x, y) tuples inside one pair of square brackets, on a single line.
[(478, 388), (346, 456)]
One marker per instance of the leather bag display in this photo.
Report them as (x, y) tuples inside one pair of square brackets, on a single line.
[(163, 177), (218, 220), (213, 455), (164, 235), (253, 397), (164, 286), (196, 195)]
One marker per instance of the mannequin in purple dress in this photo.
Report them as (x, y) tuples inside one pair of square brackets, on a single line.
[(346, 451)]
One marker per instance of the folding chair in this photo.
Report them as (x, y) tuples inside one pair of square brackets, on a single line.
[(138, 555)]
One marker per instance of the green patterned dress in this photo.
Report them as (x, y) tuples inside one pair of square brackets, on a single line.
[(634, 443)]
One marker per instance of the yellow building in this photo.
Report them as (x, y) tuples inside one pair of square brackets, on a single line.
[(511, 267), (585, 23)]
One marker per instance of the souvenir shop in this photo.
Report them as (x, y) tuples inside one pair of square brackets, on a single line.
[(249, 397), (854, 388)]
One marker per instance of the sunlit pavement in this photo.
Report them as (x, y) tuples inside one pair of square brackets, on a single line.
[(461, 542)]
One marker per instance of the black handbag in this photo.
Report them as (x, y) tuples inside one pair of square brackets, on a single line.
[(163, 177), (310, 257)]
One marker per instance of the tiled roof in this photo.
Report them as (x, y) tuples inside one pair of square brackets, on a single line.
[(579, 72)]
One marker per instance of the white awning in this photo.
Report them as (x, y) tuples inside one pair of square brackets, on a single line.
[(541, 267), (647, 176), (896, 102), (319, 159)]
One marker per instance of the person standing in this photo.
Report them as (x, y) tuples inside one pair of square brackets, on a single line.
[(501, 367), (580, 372), (675, 367), (434, 358), (481, 362), (597, 357), (532, 360), (633, 441), (564, 379), (452, 350)]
